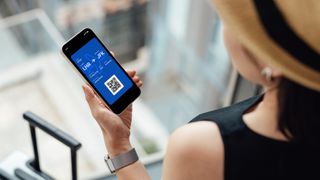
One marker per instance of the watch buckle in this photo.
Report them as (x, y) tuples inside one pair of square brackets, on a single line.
[(110, 165)]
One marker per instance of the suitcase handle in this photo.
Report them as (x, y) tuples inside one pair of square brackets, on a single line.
[(74, 145)]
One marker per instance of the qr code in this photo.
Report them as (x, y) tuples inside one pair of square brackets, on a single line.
[(113, 84)]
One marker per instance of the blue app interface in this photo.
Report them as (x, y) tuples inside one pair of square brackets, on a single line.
[(101, 70)]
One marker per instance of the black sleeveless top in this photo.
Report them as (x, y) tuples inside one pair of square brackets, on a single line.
[(251, 156)]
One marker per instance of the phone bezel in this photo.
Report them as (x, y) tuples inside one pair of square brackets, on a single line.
[(78, 41)]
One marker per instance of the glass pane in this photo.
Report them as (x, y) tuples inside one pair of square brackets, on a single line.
[(176, 47), (23, 41), (189, 69)]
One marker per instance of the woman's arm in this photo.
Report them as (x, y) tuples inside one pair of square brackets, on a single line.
[(195, 151), (116, 131)]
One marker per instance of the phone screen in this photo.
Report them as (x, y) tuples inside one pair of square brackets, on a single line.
[(102, 70)]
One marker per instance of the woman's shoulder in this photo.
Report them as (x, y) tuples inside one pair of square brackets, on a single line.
[(200, 134), (229, 119), (195, 148)]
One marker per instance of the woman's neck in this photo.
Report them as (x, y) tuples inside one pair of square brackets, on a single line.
[(270, 101), (263, 118)]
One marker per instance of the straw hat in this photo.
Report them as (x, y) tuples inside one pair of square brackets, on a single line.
[(285, 34)]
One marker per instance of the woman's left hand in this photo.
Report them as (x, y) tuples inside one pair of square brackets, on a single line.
[(115, 128)]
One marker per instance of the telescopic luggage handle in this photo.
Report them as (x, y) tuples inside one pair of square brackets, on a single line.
[(35, 121)]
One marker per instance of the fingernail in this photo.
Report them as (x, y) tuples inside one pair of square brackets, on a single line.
[(84, 88)]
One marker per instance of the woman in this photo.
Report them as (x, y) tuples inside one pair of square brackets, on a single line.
[(275, 44)]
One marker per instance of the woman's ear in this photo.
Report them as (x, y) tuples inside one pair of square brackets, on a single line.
[(276, 73)]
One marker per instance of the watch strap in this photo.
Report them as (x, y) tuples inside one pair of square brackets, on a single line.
[(121, 160)]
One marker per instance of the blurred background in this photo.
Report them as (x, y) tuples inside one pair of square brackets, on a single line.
[(176, 46)]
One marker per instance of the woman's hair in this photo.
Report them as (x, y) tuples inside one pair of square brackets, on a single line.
[(299, 112)]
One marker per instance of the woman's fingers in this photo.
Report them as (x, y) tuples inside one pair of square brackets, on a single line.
[(131, 73), (135, 78), (139, 83)]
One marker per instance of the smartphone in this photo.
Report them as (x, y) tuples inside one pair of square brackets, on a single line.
[(100, 69)]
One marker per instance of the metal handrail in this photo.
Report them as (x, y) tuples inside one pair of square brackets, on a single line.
[(37, 122)]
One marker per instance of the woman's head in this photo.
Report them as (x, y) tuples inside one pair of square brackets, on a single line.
[(295, 75), (276, 35)]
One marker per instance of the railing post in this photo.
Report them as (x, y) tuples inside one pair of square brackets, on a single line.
[(35, 163)]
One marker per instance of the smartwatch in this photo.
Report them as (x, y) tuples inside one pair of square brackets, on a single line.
[(122, 160)]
